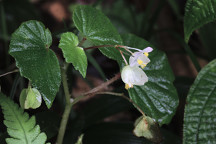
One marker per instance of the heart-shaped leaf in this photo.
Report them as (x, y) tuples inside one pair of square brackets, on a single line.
[(198, 13), (158, 97), (72, 53), (30, 47), (200, 115), (98, 29)]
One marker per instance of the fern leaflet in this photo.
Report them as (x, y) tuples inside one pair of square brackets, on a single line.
[(21, 127)]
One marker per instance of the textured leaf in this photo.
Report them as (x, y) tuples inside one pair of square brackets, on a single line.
[(30, 47), (158, 97), (198, 13), (21, 127), (98, 29), (200, 114), (72, 53)]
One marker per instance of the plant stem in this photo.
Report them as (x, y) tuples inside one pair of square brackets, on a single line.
[(100, 46), (68, 107), (96, 89), (70, 102), (16, 70), (83, 40)]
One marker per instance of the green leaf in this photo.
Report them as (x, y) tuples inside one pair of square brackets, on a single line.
[(73, 53), (198, 13), (30, 47), (21, 127), (98, 29), (200, 116), (158, 97)]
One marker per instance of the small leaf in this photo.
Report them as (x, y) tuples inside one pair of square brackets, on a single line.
[(72, 53), (21, 128), (198, 13), (146, 127), (98, 29), (158, 97), (30, 98), (200, 116), (30, 47)]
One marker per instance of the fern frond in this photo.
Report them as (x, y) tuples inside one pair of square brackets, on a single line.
[(21, 127)]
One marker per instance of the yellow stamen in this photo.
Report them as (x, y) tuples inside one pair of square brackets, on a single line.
[(146, 54), (143, 66), (127, 86), (139, 61)]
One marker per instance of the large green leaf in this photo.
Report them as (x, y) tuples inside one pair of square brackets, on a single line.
[(158, 97), (200, 115), (30, 47), (198, 13), (98, 29), (72, 53)]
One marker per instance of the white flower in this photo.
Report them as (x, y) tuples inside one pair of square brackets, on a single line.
[(133, 76), (140, 58)]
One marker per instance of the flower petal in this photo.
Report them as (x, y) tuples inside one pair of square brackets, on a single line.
[(148, 49)]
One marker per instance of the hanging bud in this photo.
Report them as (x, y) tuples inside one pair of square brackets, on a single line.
[(146, 127), (30, 98)]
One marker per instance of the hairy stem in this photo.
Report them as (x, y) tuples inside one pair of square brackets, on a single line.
[(68, 107)]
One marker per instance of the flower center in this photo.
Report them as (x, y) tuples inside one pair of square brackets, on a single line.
[(127, 86), (140, 62), (146, 54)]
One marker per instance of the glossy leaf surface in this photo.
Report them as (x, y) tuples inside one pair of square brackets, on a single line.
[(98, 29), (200, 114), (72, 53), (30, 47), (198, 13), (158, 97)]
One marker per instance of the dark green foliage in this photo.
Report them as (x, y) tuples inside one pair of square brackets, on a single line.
[(30, 48), (200, 115)]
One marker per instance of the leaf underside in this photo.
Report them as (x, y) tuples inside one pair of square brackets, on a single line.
[(158, 97), (200, 114), (98, 29), (21, 127), (30, 47), (198, 13)]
